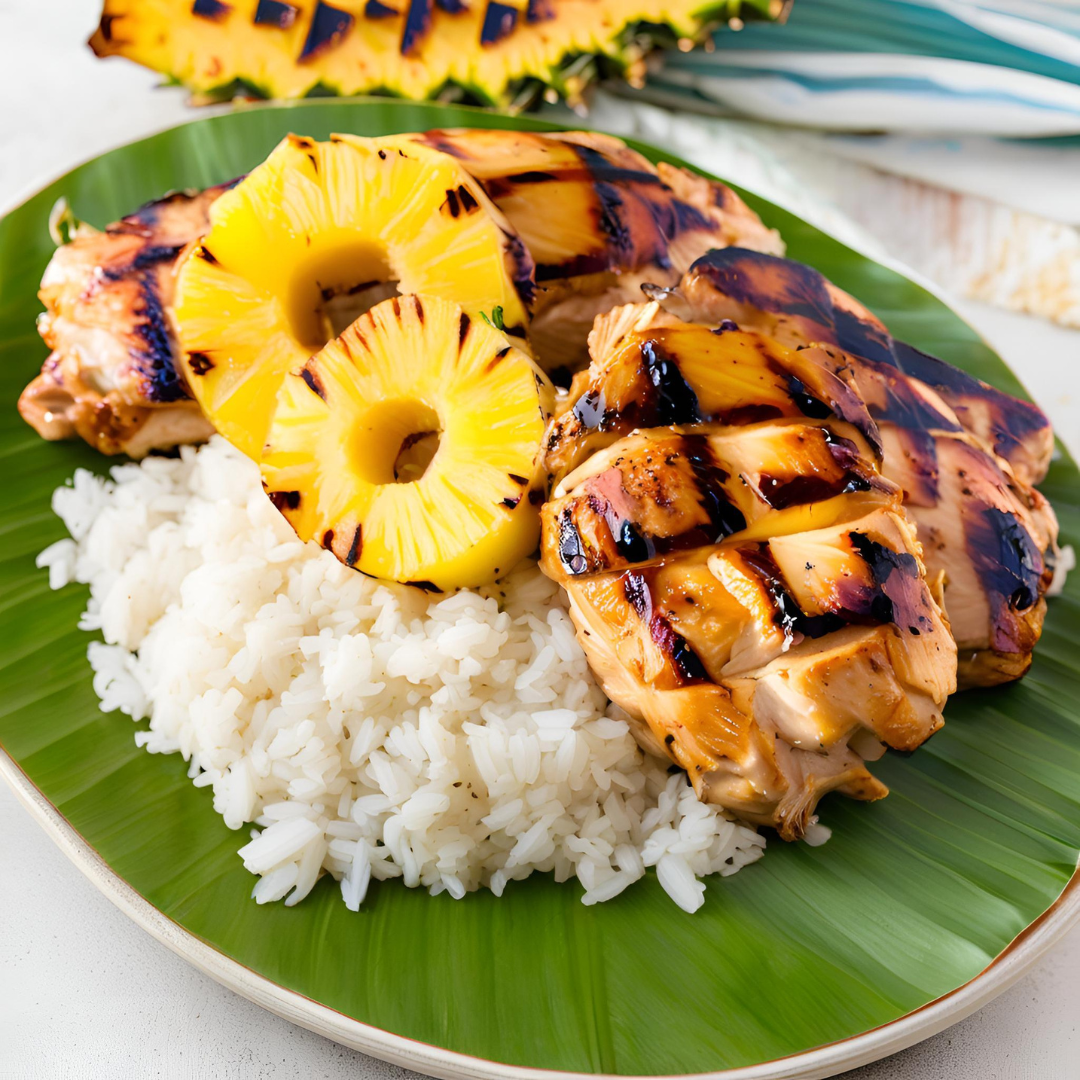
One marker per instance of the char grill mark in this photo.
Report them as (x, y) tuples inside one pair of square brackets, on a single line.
[(1010, 567), (685, 664), (373, 9), (782, 492), (788, 617), (636, 215), (668, 398), (802, 398), (356, 547), (499, 22), (539, 11), (612, 518), (157, 360), (767, 282), (417, 26), (284, 500), (200, 363), (800, 490), (885, 599), (1014, 422), (214, 10), (906, 408), (923, 480), (145, 259), (329, 27), (311, 378), (855, 335), (786, 288), (275, 13), (724, 516)]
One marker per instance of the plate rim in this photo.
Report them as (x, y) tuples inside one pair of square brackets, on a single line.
[(819, 1063), (1011, 964)]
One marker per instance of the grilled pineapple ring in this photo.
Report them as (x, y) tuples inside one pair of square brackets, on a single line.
[(410, 446), (320, 221)]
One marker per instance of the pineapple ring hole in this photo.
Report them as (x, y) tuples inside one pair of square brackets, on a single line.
[(395, 442), (330, 290)]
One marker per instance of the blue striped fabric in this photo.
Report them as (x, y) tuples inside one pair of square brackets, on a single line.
[(1005, 67)]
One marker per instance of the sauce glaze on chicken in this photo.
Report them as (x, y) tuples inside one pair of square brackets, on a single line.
[(964, 453), (745, 582)]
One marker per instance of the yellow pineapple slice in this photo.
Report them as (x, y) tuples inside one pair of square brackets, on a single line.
[(410, 446), (318, 224)]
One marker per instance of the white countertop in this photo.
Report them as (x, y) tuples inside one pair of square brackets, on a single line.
[(84, 993)]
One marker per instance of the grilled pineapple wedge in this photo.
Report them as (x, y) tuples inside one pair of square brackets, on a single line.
[(497, 52), (307, 241), (410, 446)]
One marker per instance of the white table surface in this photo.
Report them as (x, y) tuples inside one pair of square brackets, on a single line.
[(84, 993)]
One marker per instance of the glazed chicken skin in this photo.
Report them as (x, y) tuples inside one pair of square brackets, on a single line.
[(992, 536), (112, 376), (795, 304), (658, 370), (744, 581), (597, 219)]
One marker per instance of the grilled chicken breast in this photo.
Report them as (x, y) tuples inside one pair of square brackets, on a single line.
[(112, 377), (957, 448), (743, 579), (599, 220), (796, 305)]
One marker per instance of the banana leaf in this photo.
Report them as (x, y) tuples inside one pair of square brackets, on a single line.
[(912, 897)]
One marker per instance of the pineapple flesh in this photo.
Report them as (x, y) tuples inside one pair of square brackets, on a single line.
[(325, 226), (410, 446), (497, 52)]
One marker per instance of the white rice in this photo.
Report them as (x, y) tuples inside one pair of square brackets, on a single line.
[(369, 730)]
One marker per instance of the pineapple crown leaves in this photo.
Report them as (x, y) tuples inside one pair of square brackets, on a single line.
[(496, 319)]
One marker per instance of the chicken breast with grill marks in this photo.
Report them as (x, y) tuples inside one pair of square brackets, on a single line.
[(598, 219), (795, 304), (749, 591), (112, 376), (656, 370), (959, 449)]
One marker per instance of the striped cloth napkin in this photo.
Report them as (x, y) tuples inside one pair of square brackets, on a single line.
[(989, 67)]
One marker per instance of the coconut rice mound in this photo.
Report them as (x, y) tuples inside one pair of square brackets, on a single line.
[(368, 729)]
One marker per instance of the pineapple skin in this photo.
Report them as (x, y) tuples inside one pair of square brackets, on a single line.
[(315, 216), (496, 52), (409, 366)]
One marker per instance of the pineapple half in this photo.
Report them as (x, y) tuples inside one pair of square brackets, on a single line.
[(309, 239), (498, 52), (410, 446)]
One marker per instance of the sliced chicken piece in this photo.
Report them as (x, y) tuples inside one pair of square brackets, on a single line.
[(597, 217), (741, 583), (659, 373), (599, 220), (795, 304), (771, 681), (111, 377), (679, 712), (993, 537), (666, 490)]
